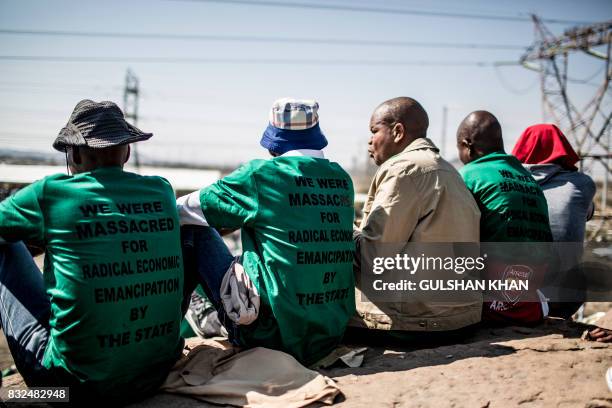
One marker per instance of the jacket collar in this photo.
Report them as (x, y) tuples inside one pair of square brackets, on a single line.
[(317, 154), (420, 144)]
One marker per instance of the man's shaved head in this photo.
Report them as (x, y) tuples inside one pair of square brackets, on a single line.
[(406, 111), (394, 125), (478, 135)]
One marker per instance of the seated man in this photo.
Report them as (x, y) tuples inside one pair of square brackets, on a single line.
[(295, 212), (488, 173), (548, 155), (415, 197), (103, 318)]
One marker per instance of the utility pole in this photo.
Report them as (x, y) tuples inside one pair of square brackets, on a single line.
[(130, 108), (443, 136), (587, 127)]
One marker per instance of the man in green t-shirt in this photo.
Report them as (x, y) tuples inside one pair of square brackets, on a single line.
[(295, 212), (103, 318), (513, 212)]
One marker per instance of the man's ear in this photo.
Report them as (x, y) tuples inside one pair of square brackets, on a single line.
[(127, 154), (399, 132), (466, 143)]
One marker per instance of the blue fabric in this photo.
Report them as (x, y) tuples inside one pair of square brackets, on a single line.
[(569, 195), (281, 140), (25, 310), (206, 259)]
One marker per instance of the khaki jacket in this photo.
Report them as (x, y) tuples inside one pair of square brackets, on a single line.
[(417, 196)]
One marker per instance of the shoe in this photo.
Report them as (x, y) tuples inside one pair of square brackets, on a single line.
[(203, 319)]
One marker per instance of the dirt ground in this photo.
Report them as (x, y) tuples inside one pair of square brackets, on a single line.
[(545, 366), (5, 356)]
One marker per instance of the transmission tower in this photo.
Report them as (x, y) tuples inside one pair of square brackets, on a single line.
[(130, 108), (587, 126)]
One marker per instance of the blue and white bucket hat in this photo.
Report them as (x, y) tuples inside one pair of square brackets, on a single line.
[(294, 124)]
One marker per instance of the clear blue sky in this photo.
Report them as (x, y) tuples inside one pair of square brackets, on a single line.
[(214, 113)]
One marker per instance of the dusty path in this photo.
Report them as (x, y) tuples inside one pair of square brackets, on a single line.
[(545, 366)]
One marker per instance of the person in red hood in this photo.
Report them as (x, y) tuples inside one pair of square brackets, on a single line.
[(547, 154), (545, 144)]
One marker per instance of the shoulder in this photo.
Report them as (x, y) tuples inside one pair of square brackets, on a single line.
[(256, 164), (35, 191), (488, 166), (340, 170), (144, 186), (476, 173), (154, 181), (580, 181), (54, 178), (402, 165), (469, 170), (395, 174), (53, 181), (251, 167), (584, 179)]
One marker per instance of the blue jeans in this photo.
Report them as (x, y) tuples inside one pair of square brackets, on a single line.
[(25, 308), (24, 312), (206, 259)]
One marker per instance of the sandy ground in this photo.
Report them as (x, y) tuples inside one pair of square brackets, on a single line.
[(548, 366), (5, 356), (545, 366)]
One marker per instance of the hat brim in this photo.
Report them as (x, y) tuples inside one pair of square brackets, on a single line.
[(281, 141), (71, 136)]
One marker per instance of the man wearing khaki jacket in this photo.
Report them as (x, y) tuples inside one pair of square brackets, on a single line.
[(416, 197)]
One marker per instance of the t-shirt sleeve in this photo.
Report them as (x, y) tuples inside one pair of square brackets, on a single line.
[(231, 202), (21, 215), (475, 186), (190, 210), (467, 178)]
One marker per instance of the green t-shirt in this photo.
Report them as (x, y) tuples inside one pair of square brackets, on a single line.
[(113, 273), (296, 215), (512, 205)]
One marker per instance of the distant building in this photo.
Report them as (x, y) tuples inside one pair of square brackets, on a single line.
[(183, 180)]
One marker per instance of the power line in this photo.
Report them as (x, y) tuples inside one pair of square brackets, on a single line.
[(40, 138), (510, 87), (278, 61), (425, 13), (131, 96), (260, 39)]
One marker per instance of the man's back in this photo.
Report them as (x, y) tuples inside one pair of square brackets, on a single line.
[(296, 216), (513, 210), (570, 199), (512, 203), (113, 272)]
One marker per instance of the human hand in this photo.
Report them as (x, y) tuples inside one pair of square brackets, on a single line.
[(600, 334)]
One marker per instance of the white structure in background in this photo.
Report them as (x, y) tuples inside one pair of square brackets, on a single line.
[(182, 179)]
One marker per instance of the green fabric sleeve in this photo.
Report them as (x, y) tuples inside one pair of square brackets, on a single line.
[(471, 180), (21, 216), (232, 202)]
